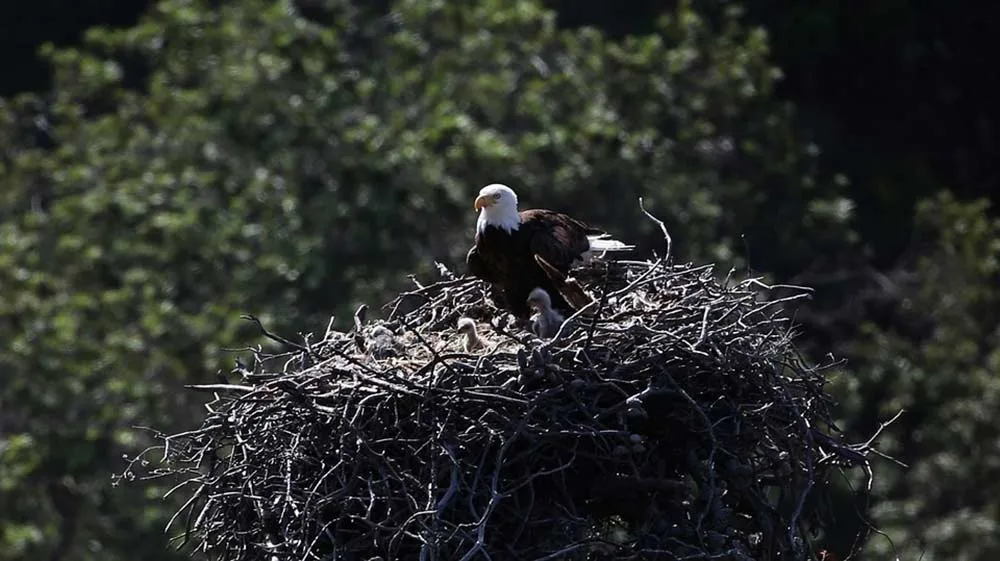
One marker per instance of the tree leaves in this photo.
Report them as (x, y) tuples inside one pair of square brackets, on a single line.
[(223, 158), (937, 357)]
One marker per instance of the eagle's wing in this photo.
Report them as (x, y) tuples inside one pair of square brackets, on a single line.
[(478, 267), (557, 238), (568, 287)]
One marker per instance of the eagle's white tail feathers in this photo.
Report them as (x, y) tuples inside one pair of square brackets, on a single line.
[(603, 242), (599, 245)]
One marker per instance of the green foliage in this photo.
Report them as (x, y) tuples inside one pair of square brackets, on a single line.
[(940, 361), (245, 158)]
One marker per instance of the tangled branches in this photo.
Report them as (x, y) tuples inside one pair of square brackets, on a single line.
[(673, 421)]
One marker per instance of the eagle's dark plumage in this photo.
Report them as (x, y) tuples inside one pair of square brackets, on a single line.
[(507, 241)]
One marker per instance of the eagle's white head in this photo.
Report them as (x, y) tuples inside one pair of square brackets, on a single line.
[(497, 206)]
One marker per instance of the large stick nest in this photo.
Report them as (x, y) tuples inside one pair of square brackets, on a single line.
[(677, 421)]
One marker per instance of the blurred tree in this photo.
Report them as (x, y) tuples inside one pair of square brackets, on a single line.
[(902, 96), (870, 80), (291, 163), (24, 26), (937, 357)]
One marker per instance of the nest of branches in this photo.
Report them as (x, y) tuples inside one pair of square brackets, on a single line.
[(675, 420)]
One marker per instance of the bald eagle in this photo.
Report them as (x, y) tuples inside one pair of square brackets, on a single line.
[(507, 242)]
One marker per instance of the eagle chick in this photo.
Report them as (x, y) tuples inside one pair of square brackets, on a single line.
[(472, 341), (382, 343), (545, 321)]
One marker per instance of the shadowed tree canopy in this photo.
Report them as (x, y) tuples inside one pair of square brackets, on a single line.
[(289, 166)]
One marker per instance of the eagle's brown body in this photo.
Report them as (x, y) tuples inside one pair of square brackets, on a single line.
[(507, 259)]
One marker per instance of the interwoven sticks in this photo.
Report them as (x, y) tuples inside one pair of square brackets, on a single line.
[(674, 422)]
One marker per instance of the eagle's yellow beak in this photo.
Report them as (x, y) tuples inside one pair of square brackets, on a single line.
[(483, 201)]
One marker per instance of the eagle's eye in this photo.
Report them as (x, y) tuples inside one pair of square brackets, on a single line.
[(496, 196)]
